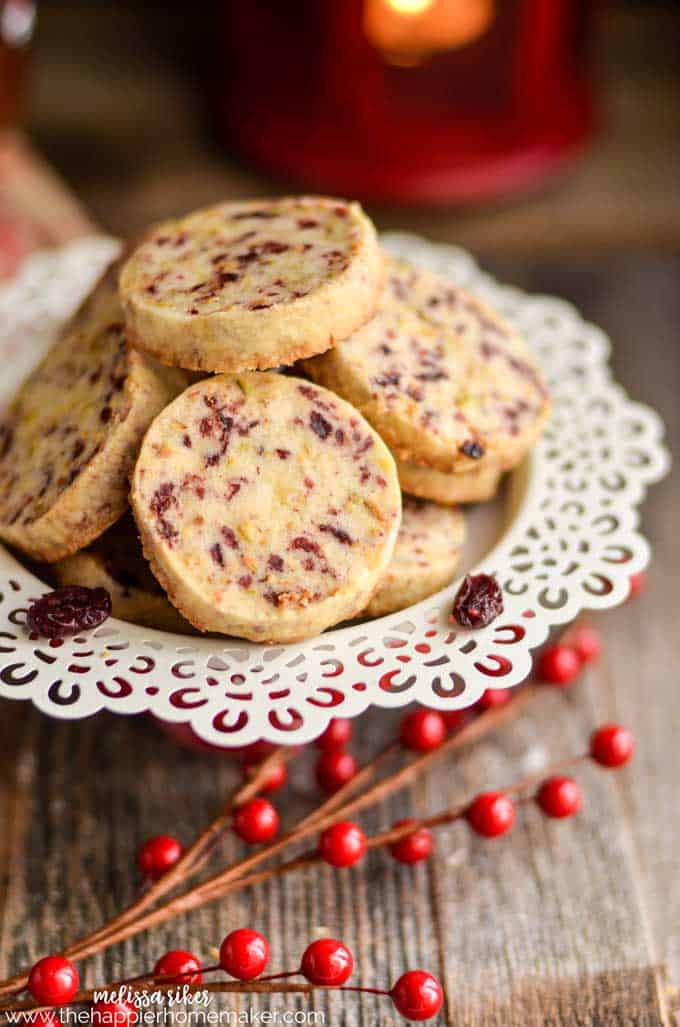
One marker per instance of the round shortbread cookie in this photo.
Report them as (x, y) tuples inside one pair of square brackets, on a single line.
[(252, 285), (425, 557), (115, 562), (268, 508), (442, 379), (69, 440), (474, 486)]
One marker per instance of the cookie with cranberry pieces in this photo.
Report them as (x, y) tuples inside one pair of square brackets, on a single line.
[(252, 285), (115, 562), (425, 557), (268, 508), (442, 379), (70, 438), (475, 486)]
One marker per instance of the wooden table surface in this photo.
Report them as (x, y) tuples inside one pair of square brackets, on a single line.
[(559, 924)]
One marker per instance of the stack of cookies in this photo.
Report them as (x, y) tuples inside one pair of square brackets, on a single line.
[(266, 489)]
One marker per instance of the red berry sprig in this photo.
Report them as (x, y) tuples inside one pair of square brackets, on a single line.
[(491, 814), (559, 797), (587, 642), (638, 583), (612, 746), (414, 847), (327, 962), (158, 855), (559, 665), (492, 698), (337, 735), (164, 869), (417, 995), (466, 726), (46, 1018), (256, 821), (244, 954), (275, 777), (53, 981), (423, 730), (342, 844), (178, 967), (334, 768), (455, 719), (562, 663)]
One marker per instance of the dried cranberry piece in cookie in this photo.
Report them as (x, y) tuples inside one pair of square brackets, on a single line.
[(478, 601), (251, 285), (70, 438), (447, 384), (116, 563), (66, 611), (303, 543)]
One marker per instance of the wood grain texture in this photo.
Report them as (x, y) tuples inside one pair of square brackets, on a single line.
[(543, 924)]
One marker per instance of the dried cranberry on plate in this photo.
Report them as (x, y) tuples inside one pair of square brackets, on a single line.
[(478, 601), (68, 610)]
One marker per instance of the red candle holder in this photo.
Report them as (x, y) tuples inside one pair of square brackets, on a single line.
[(409, 101)]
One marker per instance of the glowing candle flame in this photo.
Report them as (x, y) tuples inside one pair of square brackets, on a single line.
[(409, 6), (409, 31)]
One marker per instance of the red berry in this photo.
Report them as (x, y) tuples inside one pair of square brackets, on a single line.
[(612, 745), (493, 697), (342, 844), (587, 643), (53, 981), (179, 967), (114, 1014), (559, 797), (423, 730), (638, 583), (337, 735), (491, 814), (334, 769), (256, 821), (412, 848), (454, 718), (417, 995), (256, 751), (158, 855), (244, 954), (559, 665), (277, 775), (327, 962), (46, 1018)]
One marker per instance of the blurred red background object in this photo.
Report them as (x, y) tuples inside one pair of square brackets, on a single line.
[(429, 101), (17, 18)]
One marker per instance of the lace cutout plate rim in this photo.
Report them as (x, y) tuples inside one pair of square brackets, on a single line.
[(571, 542)]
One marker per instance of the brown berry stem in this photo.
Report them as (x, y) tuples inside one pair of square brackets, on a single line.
[(200, 850), (188, 864), (218, 887), (384, 839), (138, 916)]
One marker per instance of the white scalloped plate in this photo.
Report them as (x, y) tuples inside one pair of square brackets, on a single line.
[(568, 542)]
